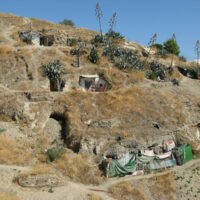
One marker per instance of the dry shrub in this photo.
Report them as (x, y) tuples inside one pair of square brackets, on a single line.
[(162, 187), (5, 49), (124, 101), (38, 169), (78, 168), (5, 118), (15, 34), (26, 53), (136, 76), (6, 196), (114, 76), (126, 191), (13, 153)]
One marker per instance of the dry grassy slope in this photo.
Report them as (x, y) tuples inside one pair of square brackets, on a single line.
[(133, 103), (94, 120)]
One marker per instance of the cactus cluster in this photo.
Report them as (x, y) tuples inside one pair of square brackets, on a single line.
[(53, 70), (94, 55), (123, 59), (158, 69)]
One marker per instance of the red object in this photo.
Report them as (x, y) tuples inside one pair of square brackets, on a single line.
[(101, 88)]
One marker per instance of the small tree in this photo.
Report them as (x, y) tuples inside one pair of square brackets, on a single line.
[(112, 22), (67, 22), (197, 50), (99, 15), (79, 51), (53, 71), (171, 46)]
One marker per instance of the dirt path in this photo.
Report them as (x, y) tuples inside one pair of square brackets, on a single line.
[(71, 190), (6, 32), (104, 187)]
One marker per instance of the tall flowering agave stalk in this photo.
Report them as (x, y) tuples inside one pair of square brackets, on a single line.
[(54, 71)]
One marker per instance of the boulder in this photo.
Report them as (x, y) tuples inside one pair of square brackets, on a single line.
[(40, 180)]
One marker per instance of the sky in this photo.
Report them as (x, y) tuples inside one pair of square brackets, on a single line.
[(137, 20)]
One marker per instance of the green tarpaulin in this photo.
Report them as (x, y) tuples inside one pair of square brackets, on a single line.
[(185, 152), (159, 164), (123, 166), (130, 162)]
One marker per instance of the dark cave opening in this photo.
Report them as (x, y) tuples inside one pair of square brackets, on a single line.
[(63, 121)]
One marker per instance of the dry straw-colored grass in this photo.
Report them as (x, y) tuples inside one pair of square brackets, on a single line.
[(126, 191), (5, 49), (176, 75), (6, 196), (13, 153), (78, 168), (93, 196), (38, 169), (162, 187), (136, 76)]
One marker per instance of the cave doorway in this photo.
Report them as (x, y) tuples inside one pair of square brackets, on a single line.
[(190, 73), (63, 121)]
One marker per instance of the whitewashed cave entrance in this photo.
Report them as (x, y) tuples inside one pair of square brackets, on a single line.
[(94, 83)]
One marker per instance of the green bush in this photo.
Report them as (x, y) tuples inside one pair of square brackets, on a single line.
[(158, 69), (163, 53), (94, 55), (114, 35), (67, 22), (99, 39), (153, 76), (53, 70), (158, 46), (193, 72), (172, 46), (73, 42), (2, 130), (55, 153), (175, 81)]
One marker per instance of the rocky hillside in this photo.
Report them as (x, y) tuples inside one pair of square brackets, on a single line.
[(76, 127)]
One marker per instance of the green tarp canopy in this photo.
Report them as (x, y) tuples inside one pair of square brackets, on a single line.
[(185, 152), (123, 166), (130, 161), (126, 165)]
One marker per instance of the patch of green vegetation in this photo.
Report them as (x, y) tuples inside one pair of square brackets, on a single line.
[(67, 22), (2, 130), (123, 59), (55, 153), (94, 55), (175, 81), (114, 35), (50, 190), (73, 42)]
